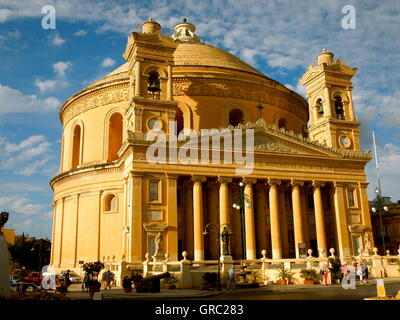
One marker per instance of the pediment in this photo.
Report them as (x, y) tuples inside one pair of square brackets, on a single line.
[(266, 141)]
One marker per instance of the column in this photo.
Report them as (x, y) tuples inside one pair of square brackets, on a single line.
[(297, 215), (249, 218), (136, 221), (169, 83), (213, 215), (319, 219), (304, 208), (198, 217), (283, 222), (99, 224), (343, 238), (365, 214), (137, 78), (54, 205), (172, 217), (274, 219), (224, 200), (236, 239), (260, 218), (61, 231), (327, 104), (224, 204), (188, 205), (351, 114), (76, 232)]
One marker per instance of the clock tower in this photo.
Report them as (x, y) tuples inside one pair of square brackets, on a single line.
[(331, 109)]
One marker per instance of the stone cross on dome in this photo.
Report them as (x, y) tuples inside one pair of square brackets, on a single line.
[(184, 32)]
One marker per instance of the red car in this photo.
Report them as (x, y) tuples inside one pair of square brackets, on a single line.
[(34, 277)]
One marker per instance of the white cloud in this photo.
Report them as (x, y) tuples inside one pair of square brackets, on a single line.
[(60, 67), (20, 206), (107, 62), (4, 14), (57, 40), (14, 101), (30, 156), (80, 33), (45, 85)]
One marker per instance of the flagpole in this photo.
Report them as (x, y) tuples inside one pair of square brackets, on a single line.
[(379, 203)]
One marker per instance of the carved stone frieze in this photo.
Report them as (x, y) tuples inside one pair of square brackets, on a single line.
[(241, 90), (94, 100)]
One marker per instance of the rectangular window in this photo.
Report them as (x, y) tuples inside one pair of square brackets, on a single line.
[(153, 191), (350, 195), (311, 219)]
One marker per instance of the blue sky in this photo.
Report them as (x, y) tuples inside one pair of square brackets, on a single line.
[(41, 68)]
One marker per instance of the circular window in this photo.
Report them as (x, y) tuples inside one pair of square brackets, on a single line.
[(154, 124)]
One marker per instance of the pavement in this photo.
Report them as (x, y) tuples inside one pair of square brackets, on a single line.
[(117, 293)]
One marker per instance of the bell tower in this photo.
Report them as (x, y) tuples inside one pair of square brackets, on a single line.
[(331, 109), (150, 58)]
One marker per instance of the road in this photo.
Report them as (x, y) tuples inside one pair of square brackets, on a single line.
[(307, 293)]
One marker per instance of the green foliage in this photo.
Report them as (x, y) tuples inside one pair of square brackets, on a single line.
[(136, 276), (310, 274), (285, 274), (30, 252), (127, 282), (93, 268), (335, 268)]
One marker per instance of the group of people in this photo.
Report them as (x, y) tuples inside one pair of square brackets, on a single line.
[(361, 270), (108, 278)]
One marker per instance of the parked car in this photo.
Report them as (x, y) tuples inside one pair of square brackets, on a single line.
[(34, 277), (24, 287), (14, 279), (73, 277)]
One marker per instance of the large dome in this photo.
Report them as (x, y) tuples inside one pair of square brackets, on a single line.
[(191, 54)]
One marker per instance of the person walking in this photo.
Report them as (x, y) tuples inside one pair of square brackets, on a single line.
[(108, 277), (360, 272), (324, 272), (365, 266), (67, 279), (231, 279), (85, 284)]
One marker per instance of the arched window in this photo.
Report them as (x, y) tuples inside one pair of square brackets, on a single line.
[(76, 147), (339, 108), (179, 121), (320, 107), (114, 136), (110, 203), (282, 123), (235, 117)]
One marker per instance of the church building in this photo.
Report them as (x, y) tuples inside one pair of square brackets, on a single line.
[(306, 189)]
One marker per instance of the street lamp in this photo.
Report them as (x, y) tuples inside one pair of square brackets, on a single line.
[(218, 228), (379, 206), (240, 207)]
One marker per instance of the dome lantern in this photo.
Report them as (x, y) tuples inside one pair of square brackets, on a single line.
[(151, 26), (325, 57), (184, 31)]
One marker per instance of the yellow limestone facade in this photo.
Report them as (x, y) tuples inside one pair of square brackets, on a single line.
[(308, 185)]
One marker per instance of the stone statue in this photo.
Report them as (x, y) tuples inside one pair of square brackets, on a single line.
[(3, 219), (225, 241), (367, 242), (157, 243), (4, 259)]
